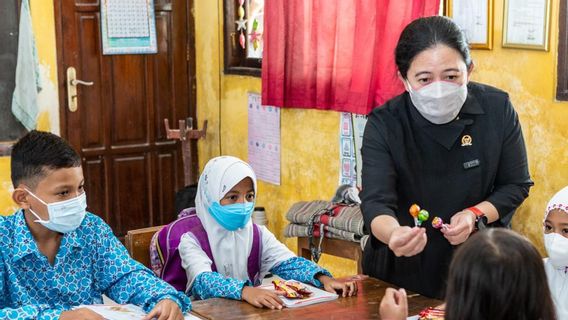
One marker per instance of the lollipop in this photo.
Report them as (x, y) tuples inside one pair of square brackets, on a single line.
[(419, 215), (423, 215), (414, 210), (438, 223)]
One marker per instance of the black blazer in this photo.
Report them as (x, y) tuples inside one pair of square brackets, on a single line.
[(446, 168)]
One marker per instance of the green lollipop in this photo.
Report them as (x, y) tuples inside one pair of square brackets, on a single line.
[(423, 215)]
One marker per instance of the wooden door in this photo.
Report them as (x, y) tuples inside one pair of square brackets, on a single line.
[(131, 170)]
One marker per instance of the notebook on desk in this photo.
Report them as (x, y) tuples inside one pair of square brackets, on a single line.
[(123, 312), (317, 296)]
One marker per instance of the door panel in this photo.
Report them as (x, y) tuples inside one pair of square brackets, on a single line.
[(131, 198), (130, 111), (167, 171), (91, 98), (94, 171), (131, 170)]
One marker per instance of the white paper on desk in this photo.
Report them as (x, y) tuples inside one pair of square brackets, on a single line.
[(122, 312), (317, 296), (416, 317)]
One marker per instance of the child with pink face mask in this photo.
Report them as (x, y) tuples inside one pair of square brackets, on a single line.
[(556, 244)]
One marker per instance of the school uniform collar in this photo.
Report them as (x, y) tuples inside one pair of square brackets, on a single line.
[(447, 134), (24, 243)]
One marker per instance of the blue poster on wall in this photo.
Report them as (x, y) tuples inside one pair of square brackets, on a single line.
[(128, 27)]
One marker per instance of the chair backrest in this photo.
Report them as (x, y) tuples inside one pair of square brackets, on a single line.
[(137, 243)]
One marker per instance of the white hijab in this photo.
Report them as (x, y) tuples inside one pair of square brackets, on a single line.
[(230, 248), (558, 278), (558, 201)]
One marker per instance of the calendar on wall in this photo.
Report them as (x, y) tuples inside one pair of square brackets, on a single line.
[(128, 27)]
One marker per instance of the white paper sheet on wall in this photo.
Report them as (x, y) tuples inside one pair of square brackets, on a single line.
[(359, 123), (264, 139), (351, 128), (347, 161)]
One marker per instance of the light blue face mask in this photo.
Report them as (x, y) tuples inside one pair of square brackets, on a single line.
[(64, 216), (232, 216)]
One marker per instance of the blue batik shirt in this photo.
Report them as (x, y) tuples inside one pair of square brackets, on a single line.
[(90, 262)]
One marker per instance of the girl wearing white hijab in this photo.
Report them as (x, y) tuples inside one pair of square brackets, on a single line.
[(225, 200), (556, 243)]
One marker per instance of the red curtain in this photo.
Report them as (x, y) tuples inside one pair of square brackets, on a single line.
[(333, 54)]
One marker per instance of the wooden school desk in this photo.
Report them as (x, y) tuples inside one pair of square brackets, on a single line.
[(363, 306)]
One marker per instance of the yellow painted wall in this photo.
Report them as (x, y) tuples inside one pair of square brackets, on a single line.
[(48, 103), (310, 138)]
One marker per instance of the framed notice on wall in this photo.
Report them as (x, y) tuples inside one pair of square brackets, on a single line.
[(128, 27), (475, 18), (526, 24)]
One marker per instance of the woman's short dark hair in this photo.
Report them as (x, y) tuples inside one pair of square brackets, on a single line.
[(498, 274), (425, 33)]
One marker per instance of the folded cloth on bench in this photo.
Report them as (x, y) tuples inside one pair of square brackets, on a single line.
[(341, 217), (297, 230)]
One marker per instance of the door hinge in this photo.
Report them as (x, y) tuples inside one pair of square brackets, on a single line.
[(187, 51)]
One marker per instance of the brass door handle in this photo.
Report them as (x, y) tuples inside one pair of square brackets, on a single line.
[(72, 83), (81, 82)]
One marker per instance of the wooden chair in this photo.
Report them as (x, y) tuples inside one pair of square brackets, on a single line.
[(137, 242)]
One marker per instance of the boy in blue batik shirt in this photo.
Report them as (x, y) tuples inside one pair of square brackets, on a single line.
[(56, 256)]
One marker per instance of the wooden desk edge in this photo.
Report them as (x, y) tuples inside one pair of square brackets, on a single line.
[(416, 302)]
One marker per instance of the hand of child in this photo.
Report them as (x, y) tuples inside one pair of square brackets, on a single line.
[(165, 310), (406, 241), (394, 305), (348, 288), (461, 226), (261, 298), (81, 313)]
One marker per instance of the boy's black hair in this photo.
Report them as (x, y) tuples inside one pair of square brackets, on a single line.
[(498, 275), (37, 152)]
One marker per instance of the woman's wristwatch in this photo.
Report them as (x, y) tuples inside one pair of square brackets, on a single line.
[(480, 220)]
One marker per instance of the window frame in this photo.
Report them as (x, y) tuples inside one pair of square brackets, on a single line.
[(562, 71), (6, 143), (235, 58)]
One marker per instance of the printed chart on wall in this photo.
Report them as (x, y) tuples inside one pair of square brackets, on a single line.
[(128, 27), (351, 131), (264, 139)]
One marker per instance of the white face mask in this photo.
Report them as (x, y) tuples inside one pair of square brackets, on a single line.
[(439, 102), (64, 216), (557, 249)]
